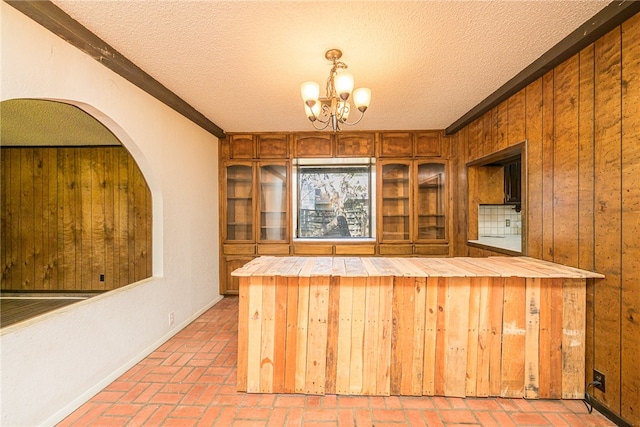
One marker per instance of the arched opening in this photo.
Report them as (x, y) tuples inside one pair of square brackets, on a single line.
[(76, 209)]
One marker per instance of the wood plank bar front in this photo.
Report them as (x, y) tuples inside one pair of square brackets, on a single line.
[(508, 327)]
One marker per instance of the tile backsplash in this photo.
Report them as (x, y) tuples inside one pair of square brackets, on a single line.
[(493, 220)]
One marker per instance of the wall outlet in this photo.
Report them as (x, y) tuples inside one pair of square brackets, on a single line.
[(507, 222), (599, 376), (172, 319), (102, 277)]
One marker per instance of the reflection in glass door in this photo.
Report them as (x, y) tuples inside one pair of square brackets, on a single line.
[(395, 202), (273, 202), (431, 201), (239, 203)]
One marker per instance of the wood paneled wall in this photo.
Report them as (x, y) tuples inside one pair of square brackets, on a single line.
[(582, 123), (70, 215)]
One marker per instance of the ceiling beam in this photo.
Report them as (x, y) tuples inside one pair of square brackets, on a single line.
[(604, 21), (64, 26)]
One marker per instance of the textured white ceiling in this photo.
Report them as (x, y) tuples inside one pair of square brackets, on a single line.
[(240, 63)]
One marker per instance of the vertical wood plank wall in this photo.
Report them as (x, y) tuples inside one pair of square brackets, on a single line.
[(582, 123), (70, 215)]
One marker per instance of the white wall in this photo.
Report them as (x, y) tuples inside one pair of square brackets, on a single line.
[(52, 364)]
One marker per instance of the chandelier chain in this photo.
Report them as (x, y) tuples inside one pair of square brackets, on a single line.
[(331, 88)]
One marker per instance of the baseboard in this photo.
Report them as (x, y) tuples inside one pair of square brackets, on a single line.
[(100, 385)]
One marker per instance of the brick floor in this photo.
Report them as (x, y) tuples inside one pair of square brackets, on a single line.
[(190, 381)]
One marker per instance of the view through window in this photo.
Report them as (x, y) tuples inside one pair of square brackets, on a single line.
[(334, 200)]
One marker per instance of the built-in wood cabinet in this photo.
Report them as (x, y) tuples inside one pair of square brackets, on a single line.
[(431, 201), (412, 207), (396, 144), (394, 209), (238, 207), (274, 201), (326, 145), (241, 146), (413, 144), (272, 146), (255, 214), (313, 145), (229, 284), (356, 144), (239, 202), (428, 144), (256, 170), (256, 146)]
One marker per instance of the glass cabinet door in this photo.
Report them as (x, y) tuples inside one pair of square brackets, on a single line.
[(273, 202), (239, 209), (431, 201), (395, 201)]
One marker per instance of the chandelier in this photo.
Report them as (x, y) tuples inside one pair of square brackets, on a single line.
[(334, 108)]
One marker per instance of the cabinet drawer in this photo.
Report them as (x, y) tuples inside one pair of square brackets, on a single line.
[(437, 250), (355, 249), (310, 249), (396, 249), (273, 249), (239, 249)]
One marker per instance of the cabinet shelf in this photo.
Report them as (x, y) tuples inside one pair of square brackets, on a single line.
[(396, 235)]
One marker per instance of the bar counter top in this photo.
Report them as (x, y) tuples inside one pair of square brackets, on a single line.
[(410, 267)]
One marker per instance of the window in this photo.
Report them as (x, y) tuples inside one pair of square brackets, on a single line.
[(334, 198)]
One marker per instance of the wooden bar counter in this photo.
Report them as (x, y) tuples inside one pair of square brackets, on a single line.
[(499, 326)]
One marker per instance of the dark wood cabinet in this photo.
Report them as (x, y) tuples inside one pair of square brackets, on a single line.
[(513, 183)]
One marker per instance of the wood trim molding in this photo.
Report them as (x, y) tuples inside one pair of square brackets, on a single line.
[(64, 26), (604, 21)]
